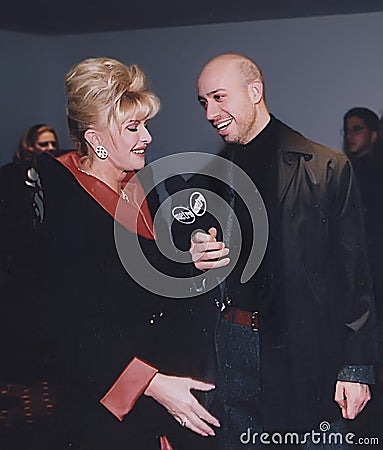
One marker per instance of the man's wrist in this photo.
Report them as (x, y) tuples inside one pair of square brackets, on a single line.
[(358, 374)]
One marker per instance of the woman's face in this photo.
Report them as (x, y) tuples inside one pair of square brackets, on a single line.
[(46, 141), (127, 147)]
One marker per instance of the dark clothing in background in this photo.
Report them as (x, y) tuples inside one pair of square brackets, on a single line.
[(21, 212), (368, 173)]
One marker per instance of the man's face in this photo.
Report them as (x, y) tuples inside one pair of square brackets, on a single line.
[(226, 98), (358, 138)]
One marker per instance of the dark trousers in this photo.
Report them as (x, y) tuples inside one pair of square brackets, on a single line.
[(238, 400)]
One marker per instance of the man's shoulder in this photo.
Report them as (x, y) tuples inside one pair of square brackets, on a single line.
[(293, 142)]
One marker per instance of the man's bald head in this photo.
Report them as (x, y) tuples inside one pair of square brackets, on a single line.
[(246, 67)]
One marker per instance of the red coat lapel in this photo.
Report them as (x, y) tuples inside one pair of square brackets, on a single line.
[(133, 215)]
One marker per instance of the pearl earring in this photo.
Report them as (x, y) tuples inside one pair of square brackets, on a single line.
[(101, 152)]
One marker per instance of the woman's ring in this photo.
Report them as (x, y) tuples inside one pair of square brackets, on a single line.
[(182, 422)]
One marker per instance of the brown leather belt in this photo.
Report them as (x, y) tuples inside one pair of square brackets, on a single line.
[(242, 317)]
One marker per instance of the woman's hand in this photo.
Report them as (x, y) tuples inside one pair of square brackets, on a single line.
[(206, 252), (174, 394)]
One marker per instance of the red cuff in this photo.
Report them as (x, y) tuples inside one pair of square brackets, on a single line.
[(165, 444), (129, 386)]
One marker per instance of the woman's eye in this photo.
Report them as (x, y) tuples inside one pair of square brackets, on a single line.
[(132, 129)]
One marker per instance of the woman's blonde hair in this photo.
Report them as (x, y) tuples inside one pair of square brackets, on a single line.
[(102, 92)]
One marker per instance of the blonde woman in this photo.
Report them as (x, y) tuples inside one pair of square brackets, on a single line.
[(102, 332)]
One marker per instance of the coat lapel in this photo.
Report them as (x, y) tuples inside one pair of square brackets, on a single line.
[(133, 215)]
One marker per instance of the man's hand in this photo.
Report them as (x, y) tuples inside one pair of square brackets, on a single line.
[(351, 397), (174, 394), (206, 251)]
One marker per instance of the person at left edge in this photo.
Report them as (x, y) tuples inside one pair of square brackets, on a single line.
[(21, 213), (20, 201), (95, 318)]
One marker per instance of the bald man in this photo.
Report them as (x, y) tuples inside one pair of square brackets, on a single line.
[(295, 343)]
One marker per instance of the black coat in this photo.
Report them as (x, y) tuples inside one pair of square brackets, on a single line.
[(316, 280), (93, 318)]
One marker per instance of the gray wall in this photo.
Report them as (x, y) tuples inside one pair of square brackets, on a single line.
[(315, 69)]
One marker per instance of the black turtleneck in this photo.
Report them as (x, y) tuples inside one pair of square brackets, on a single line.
[(258, 159)]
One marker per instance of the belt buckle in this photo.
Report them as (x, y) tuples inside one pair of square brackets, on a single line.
[(254, 321)]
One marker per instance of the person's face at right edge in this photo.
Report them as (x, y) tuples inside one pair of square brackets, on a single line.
[(223, 93)]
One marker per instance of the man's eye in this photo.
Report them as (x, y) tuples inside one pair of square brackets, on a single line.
[(133, 129), (218, 97), (203, 104)]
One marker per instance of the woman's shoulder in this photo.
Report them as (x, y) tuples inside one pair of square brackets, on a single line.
[(50, 167)]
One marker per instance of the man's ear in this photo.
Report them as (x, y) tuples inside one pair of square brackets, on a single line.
[(374, 137), (256, 91), (92, 137)]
